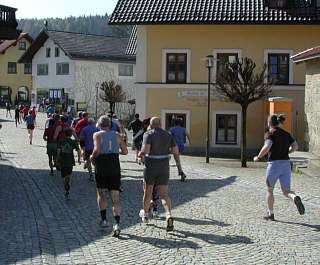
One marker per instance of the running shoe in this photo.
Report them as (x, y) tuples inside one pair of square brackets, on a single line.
[(116, 230), (104, 223), (183, 176), (144, 216), (269, 217), (169, 223), (299, 204)]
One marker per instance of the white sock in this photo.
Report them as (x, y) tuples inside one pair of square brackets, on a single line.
[(270, 212), (168, 215)]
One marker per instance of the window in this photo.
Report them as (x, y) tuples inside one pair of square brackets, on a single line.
[(224, 58), (22, 45), (48, 51), (125, 70), (62, 68), (56, 52), (42, 69), (176, 67), (226, 129), (28, 68), (12, 68), (278, 67)]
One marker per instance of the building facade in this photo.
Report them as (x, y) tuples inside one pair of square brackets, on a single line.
[(68, 67), (311, 58), (173, 41), (15, 78)]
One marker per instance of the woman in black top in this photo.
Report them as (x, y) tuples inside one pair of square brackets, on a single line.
[(278, 144)]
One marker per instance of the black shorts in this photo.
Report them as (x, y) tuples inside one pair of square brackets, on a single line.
[(87, 154), (30, 127), (65, 171), (156, 171), (108, 172)]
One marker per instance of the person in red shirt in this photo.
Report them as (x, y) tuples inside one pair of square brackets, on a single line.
[(51, 144), (79, 126), (25, 112), (34, 114)]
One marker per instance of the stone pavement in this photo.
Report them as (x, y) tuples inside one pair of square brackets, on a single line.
[(218, 214)]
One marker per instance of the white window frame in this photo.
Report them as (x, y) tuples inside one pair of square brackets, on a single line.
[(125, 64), (215, 58), (186, 112), (214, 122), (62, 63), (164, 62), (290, 52)]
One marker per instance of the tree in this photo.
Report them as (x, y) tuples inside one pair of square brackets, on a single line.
[(241, 85), (112, 93)]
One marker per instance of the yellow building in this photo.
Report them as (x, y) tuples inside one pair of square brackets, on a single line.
[(174, 37), (15, 78)]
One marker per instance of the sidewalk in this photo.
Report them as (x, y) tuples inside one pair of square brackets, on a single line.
[(218, 214)]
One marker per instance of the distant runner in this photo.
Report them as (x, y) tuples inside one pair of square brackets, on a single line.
[(30, 125)]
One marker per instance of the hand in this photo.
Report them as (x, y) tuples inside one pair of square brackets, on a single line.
[(140, 154), (256, 159)]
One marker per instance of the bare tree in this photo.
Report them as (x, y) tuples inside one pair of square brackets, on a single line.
[(112, 93), (241, 85)]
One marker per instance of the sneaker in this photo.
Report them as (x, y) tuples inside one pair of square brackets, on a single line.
[(299, 204), (116, 230), (139, 161), (269, 217), (104, 223), (144, 216), (67, 195), (169, 223), (183, 176)]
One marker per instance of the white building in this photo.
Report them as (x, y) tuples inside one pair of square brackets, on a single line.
[(68, 67)]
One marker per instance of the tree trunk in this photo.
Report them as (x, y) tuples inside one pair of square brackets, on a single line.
[(112, 105), (244, 135)]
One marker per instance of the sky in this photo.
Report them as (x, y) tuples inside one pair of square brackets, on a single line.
[(60, 8)]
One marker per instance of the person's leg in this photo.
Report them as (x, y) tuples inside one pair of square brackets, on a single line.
[(166, 203), (270, 200), (50, 164), (147, 197), (178, 163), (31, 134), (116, 209), (16, 120), (102, 204)]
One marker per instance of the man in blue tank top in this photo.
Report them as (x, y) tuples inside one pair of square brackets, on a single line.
[(156, 147), (107, 146)]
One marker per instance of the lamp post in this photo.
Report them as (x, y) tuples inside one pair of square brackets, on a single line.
[(97, 87), (209, 65)]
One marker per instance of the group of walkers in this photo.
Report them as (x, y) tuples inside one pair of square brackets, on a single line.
[(101, 144)]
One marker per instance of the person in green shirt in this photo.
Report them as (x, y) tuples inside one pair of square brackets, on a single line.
[(65, 158)]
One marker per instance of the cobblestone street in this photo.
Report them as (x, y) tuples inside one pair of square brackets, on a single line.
[(218, 213)]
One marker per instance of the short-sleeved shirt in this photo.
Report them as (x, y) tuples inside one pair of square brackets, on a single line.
[(30, 119), (281, 141), (87, 132), (135, 125), (160, 142), (70, 119), (67, 146), (49, 132), (178, 134), (80, 125)]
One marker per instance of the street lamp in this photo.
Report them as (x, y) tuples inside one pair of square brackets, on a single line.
[(97, 87), (209, 65)]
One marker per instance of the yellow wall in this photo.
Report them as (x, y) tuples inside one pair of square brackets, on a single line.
[(14, 81), (202, 40)]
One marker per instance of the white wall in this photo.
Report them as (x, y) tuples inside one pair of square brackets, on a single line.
[(89, 73), (51, 80)]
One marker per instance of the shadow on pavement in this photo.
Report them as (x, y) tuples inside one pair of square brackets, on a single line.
[(314, 227), (62, 226)]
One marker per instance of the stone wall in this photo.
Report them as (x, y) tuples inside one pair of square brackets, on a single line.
[(312, 107)]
